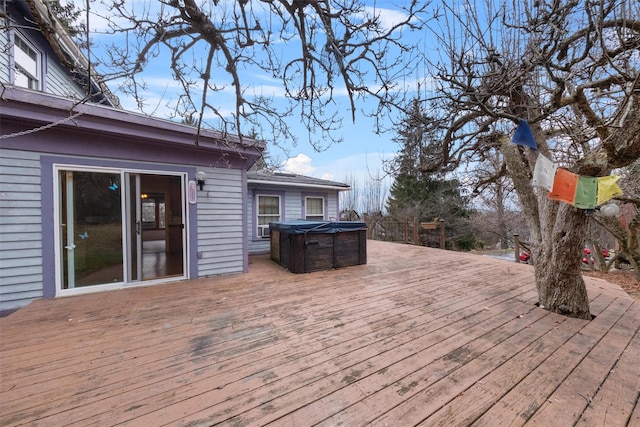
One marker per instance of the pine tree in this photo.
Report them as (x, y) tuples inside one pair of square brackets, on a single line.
[(416, 193)]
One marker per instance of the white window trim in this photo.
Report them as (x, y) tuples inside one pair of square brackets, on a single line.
[(306, 206), (260, 229), (20, 69)]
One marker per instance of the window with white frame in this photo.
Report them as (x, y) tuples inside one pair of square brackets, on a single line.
[(314, 208), (268, 211), (27, 64)]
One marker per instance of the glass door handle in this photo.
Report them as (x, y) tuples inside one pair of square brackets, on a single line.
[(138, 231)]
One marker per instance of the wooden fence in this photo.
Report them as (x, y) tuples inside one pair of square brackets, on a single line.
[(406, 230)]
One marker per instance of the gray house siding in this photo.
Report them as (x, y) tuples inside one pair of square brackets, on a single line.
[(54, 79), (103, 138), (293, 200), (217, 241), (20, 227), (58, 82), (221, 223)]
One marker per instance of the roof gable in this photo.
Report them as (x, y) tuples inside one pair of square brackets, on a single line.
[(36, 17)]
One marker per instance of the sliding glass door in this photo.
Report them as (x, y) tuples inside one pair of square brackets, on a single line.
[(91, 228), (134, 227), (119, 227), (156, 229)]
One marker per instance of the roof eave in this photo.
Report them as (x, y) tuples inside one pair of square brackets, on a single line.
[(298, 184), (36, 107)]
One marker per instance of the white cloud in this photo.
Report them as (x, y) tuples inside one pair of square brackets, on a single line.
[(328, 176), (300, 164), (359, 169), (157, 82), (100, 15), (387, 17), (362, 167), (160, 96), (153, 105)]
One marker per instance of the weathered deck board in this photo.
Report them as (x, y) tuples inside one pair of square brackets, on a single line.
[(405, 354), (417, 335), (614, 401), (599, 362), (527, 396)]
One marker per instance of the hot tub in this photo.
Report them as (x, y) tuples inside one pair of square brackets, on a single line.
[(303, 246)]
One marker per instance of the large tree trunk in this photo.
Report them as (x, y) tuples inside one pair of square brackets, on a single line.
[(558, 271), (502, 224), (557, 237)]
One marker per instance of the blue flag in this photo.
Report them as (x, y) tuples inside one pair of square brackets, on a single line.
[(524, 136)]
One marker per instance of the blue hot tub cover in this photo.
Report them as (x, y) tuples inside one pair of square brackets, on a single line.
[(300, 226)]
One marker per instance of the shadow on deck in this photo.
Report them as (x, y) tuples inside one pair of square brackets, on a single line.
[(416, 336)]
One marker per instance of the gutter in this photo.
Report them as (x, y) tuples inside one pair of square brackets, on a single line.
[(299, 184)]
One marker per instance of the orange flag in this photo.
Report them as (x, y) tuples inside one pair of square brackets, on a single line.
[(564, 186)]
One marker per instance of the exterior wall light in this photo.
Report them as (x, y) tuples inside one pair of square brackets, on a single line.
[(201, 177)]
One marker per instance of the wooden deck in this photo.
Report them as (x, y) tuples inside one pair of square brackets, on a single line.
[(417, 336)]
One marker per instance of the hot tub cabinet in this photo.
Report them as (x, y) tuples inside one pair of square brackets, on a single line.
[(304, 246)]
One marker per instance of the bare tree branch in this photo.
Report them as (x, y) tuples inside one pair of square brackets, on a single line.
[(323, 53)]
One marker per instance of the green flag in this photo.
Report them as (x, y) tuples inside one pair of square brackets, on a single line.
[(586, 193)]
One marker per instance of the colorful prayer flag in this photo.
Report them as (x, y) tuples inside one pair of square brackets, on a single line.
[(564, 186), (586, 192), (608, 189), (524, 136), (544, 173)]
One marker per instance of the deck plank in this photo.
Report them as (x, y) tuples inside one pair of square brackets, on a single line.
[(413, 407), (614, 401), (528, 395), (393, 356), (577, 391), (467, 382), (398, 384), (174, 343), (416, 335), (202, 395)]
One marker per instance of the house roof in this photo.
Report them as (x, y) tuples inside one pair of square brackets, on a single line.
[(25, 114), (293, 180)]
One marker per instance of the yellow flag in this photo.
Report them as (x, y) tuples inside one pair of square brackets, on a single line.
[(608, 188)]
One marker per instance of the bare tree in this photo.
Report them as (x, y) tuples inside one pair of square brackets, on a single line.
[(324, 56), (350, 201), (627, 229), (571, 69), (494, 189), (376, 193), (367, 196)]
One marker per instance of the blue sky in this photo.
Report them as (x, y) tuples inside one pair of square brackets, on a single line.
[(360, 155)]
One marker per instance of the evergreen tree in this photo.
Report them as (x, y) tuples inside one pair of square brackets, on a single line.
[(417, 193)]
